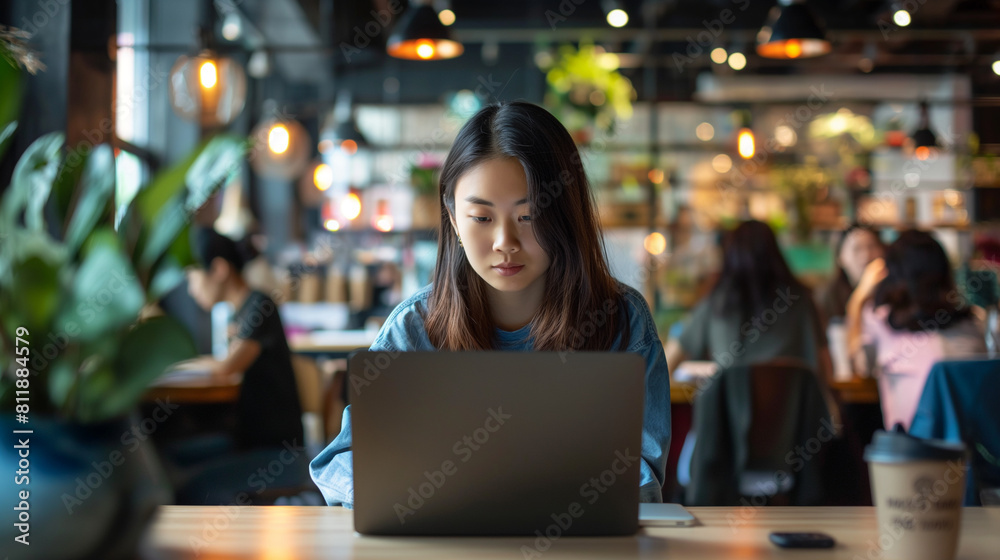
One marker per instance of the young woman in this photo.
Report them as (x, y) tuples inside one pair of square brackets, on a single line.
[(520, 266), (858, 246), (907, 307), (757, 311)]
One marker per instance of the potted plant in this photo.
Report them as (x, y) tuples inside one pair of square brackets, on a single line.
[(586, 90), (426, 205), (74, 358)]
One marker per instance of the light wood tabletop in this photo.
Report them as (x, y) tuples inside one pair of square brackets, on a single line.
[(331, 342), (303, 533)]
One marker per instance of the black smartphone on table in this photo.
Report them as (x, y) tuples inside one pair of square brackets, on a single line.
[(802, 540)]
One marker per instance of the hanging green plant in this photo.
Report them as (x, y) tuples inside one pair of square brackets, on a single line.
[(585, 87)]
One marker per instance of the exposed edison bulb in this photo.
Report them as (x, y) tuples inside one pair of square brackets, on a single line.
[(425, 49), (446, 17), (350, 207), (745, 144), (323, 177), (617, 18), (209, 74), (278, 139)]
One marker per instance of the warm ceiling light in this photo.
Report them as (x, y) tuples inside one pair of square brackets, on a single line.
[(285, 149), (791, 32), (745, 143), (278, 139), (420, 35), (722, 163), (383, 223), (793, 48), (425, 49), (617, 18), (383, 219), (349, 146), (656, 176), (447, 17), (785, 136), (719, 55), (737, 61), (655, 243), (996, 67), (232, 26), (350, 207), (323, 177), (704, 132), (209, 74), (901, 18)]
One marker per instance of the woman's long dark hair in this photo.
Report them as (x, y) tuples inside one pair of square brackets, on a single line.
[(583, 307), (919, 284), (753, 271)]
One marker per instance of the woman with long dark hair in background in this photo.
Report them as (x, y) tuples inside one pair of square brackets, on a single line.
[(756, 312)]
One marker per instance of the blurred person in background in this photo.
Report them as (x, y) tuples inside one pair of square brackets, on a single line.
[(757, 310), (907, 310), (213, 468), (858, 245)]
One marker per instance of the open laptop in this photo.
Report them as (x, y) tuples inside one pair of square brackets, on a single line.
[(496, 443)]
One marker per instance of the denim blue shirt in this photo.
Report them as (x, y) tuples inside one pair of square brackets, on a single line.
[(332, 469)]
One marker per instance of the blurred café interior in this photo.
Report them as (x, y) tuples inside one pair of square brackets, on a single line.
[(840, 132)]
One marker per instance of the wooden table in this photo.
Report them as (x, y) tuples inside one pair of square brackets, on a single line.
[(337, 343), (190, 382), (303, 533), (856, 391)]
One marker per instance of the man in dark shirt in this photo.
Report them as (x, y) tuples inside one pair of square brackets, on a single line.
[(268, 411), (268, 408)]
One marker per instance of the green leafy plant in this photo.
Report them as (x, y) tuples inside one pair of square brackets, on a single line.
[(585, 86), (424, 176), (799, 184), (72, 285)]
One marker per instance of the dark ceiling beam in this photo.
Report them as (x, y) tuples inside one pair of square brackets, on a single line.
[(528, 35)]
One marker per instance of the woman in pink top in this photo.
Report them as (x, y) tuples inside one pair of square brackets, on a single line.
[(908, 309)]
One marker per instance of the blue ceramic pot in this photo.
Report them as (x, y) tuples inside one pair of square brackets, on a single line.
[(92, 489)]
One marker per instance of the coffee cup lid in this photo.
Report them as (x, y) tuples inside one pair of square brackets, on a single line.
[(898, 446)]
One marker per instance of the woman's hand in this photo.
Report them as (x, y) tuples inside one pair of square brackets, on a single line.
[(874, 273)]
